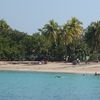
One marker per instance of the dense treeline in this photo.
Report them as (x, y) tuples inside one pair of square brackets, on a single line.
[(57, 43)]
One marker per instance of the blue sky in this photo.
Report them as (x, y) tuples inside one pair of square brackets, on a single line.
[(30, 15)]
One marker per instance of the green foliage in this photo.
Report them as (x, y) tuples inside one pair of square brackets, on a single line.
[(94, 57), (92, 36), (53, 41)]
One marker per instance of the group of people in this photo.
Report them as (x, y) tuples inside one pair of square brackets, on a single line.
[(43, 61), (77, 60)]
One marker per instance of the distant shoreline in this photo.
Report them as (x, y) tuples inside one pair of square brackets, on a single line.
[(54, 67)]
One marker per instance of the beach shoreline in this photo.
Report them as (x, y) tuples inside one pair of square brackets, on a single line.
[(54, 67)]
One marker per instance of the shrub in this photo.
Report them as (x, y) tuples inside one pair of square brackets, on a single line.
[(94, 57)]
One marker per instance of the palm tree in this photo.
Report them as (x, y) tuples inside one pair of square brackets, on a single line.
[(75, 28), (71, 32), (92, 36), (50, 31)]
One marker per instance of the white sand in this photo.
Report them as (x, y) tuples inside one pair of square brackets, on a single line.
[(52, 67)]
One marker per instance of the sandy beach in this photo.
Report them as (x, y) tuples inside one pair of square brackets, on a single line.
[(61, 67)]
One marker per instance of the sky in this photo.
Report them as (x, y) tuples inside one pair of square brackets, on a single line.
[(30, 15)]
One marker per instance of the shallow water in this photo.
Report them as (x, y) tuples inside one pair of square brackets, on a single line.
[(48, 86)]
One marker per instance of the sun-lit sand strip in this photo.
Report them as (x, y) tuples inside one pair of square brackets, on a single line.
[(53, 67)]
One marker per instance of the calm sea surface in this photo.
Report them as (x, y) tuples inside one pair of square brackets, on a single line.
[(48, 86)]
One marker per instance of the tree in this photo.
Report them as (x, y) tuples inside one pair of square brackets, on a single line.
[(52, 35), (4, 26), (71, 32), (92, 36), (50, 31)]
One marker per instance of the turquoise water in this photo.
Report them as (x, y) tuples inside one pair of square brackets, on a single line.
[(48, 86)]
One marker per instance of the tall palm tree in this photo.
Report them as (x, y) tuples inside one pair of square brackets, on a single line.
[(50, 32), (71, 31)]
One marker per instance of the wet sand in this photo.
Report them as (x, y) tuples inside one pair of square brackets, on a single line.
[(61, 67)]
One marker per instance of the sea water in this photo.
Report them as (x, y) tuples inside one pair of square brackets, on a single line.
[(48, 86)]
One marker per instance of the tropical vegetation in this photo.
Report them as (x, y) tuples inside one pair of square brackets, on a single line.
[(56, 42)]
